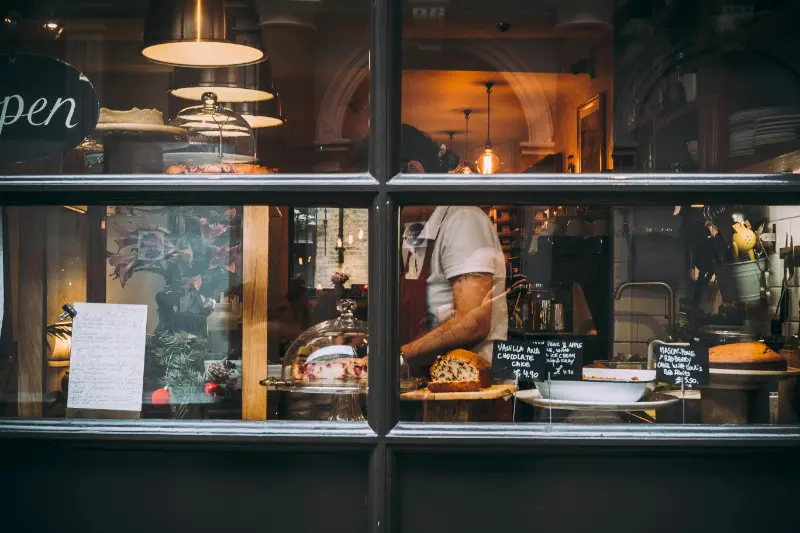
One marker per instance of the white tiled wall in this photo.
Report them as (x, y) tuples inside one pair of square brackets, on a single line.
[(641, 314), (787, 222)]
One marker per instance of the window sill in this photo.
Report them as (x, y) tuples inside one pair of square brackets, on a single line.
[(412, 435), (276, 432)]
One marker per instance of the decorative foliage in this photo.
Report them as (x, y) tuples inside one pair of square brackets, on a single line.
[(188, 259), (60, 330), (340, 277), (181, 356)]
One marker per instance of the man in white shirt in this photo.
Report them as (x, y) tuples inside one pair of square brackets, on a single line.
[(463, 276)]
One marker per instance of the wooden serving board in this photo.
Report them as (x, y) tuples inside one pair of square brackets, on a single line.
[(490, 393)]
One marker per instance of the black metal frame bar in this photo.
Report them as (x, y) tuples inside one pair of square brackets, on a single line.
[(384, 192)]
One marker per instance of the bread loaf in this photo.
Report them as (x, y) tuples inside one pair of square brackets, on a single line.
[(460, 371)]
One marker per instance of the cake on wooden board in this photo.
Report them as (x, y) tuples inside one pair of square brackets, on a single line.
[(460, 371)]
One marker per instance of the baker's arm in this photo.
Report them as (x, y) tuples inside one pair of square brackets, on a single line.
[(470, 323)]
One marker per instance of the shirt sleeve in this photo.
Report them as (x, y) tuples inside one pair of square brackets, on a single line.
[(469, 245)]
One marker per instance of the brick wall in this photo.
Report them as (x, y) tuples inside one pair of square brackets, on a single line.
[(355, 255)]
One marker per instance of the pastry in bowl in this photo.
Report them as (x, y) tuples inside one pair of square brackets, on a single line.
[(460, 371), (745, 356)]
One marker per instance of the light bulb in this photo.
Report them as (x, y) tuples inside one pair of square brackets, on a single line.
[(360, 234), (350, 239), (488, 162), (299, 260), (339, 243)]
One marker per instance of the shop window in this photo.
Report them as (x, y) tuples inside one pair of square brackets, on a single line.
[(288, 93), (581, 86), (185, 312), (593, 314)]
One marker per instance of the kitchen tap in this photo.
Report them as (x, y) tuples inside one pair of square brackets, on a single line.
[(671, 294)]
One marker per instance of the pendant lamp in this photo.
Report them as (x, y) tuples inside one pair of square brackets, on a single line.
[(263, 114), (193, 33), (463, 168), (230, 84), (488, 162)]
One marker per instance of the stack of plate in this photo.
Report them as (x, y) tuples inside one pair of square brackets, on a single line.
[(761, 126)]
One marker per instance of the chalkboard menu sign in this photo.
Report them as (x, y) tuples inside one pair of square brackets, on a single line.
[(517, 360), (46, 107), (563, 359), (532, 360), (681, 363)]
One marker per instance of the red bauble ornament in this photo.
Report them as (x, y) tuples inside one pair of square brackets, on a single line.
[(161, 397), (211, 389)]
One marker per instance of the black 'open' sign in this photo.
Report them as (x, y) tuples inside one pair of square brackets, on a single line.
[(46, 107)]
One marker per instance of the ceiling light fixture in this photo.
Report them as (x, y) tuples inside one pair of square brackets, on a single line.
[(464, 168), (264, 114), (230, 84), (488, 162), (193, 33)]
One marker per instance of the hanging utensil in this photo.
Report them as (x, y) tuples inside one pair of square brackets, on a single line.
[(782, 309)]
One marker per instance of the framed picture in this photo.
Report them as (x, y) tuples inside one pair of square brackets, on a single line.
[(592, 135)]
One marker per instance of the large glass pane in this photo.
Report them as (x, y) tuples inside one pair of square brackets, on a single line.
[(185, 312), (592, 314), (287, 86), (588, 86)]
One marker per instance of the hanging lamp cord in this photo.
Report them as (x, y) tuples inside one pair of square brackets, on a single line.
[(489, 86)]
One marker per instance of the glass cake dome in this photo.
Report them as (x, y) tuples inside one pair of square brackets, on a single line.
[(331, 356), (216, 135)]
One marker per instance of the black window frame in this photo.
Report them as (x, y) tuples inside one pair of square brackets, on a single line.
[(384, 192)]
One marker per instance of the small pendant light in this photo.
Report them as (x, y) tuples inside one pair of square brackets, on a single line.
[(488, 162), (192, 33), (464, 168)]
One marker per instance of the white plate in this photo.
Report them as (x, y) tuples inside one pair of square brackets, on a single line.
[(593, 391), (652, 402), (140, 128)]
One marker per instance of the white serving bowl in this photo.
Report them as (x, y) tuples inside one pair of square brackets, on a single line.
[(593, 391)]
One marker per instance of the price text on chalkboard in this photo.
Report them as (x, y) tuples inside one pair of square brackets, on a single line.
[(563, 360), (682, 364), (517, 360)]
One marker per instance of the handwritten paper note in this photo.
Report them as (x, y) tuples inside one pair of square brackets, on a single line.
[(107, 359)]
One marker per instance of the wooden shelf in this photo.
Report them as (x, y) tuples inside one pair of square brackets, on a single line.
[(769, 159)]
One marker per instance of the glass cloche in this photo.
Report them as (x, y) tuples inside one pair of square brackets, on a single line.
[(331, 356), (216, 135)]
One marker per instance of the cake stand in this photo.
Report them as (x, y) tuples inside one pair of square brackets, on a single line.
[(741, 396), (137, 148)]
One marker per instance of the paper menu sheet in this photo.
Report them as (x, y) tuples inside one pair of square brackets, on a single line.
[(107, 357)]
